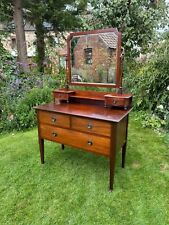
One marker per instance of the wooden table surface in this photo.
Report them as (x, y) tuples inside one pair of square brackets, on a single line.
[(84, 110)]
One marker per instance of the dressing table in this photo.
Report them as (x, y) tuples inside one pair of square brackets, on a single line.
[(97, 119)]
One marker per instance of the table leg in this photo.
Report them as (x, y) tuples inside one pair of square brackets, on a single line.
[(112, 169), (63, 147), (113, 154), (123, 154), (41, 147), (125, 145)]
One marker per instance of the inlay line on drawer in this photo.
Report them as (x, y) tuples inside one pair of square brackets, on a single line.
[(56, 119), (91, 126)]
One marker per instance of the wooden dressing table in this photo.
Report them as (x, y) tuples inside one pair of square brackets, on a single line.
[(98, 120)]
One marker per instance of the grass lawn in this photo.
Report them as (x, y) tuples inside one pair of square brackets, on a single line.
[(72, 186)]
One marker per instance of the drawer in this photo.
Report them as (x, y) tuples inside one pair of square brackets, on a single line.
[(61, 96), (57, 119), (115, 101), (73, 138), (91, 126), (121, 100)]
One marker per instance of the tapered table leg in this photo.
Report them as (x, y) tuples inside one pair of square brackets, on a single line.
[(123, 155), (62, 146), (41, 147), (113, 154), (125, 145), (112, 169)]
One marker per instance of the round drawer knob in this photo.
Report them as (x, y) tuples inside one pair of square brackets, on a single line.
[(53, 119), (89, 126), (114, 101), (54, 134), (89, 142)]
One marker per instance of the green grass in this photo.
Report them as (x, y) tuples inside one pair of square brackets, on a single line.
[(72, 186)]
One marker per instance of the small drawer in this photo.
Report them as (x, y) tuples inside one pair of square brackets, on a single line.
[(116, 102), (121, 100), (62, 96), (91, 126), (56, 119), (77, 139)]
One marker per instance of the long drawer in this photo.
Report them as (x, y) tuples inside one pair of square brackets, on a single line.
[(91, 126), (77, 139), (56, 119)]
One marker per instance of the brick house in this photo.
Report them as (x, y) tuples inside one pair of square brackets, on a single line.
[(93, 58)]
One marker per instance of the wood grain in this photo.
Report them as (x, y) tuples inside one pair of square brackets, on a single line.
[(85, 110), (91, 126), (55, 119), (100, 145)]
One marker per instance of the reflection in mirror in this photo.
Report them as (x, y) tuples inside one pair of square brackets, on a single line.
[(93, 58)]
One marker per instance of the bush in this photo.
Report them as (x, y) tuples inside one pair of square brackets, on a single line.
[(21, 115), (149, 83), (25, 114), (20, 92)]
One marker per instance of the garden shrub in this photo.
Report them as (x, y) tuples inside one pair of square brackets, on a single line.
[(21, 114), (18, 97), (20, 92), (7, 67), (148, 81), (25, 114)]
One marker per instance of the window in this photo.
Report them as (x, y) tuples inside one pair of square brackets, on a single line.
[(88, 55)]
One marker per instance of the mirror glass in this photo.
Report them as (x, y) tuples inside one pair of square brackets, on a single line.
[(93, 58)]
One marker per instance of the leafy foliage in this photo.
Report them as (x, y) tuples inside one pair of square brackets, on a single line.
[(136, 19), (19, 114), (59, 16), (20, 94), (149, 82), (7, 64)]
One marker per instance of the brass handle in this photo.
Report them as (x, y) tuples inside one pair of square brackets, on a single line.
[(89, 142), (89, 126), (54, 134), (53, 119), (114, 101)]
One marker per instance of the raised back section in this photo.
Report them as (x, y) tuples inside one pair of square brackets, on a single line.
[(105, 99)]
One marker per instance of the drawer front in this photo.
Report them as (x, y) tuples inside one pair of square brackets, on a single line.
[(91, 126), (61, 96), (88, 142), (56, 119), (115, 101)]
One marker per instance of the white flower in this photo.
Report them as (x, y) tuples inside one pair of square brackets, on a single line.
[(168, 88), (160, 107), (10, 117)]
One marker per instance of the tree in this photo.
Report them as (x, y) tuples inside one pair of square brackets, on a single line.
[(136, 19), (11, 10), (60, 15), (20, 35)]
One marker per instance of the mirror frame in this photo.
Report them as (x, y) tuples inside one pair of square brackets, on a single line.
[(118, 83)]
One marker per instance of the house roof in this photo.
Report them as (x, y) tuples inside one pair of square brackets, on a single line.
[(110, 39), (27, 26)]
